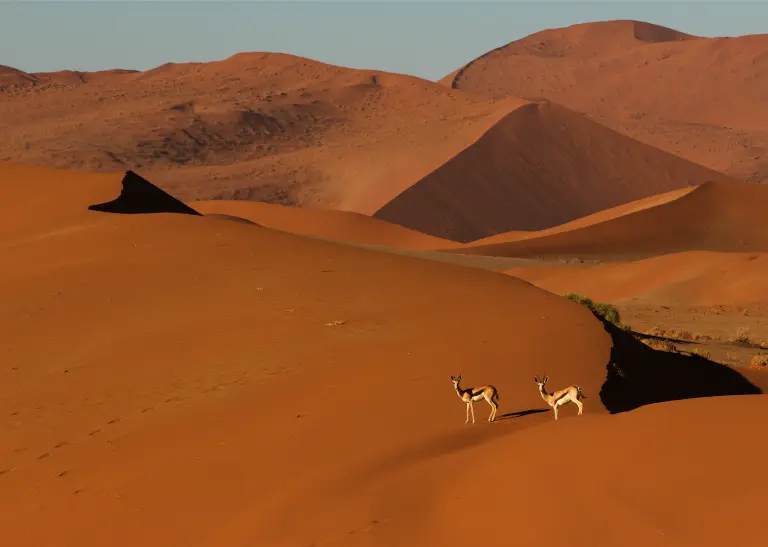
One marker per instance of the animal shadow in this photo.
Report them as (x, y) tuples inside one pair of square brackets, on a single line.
[(521, 413)]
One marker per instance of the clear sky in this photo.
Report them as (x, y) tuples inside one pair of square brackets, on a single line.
[(429, 38)]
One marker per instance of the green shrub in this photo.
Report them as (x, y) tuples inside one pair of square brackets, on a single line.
[(601, 309)]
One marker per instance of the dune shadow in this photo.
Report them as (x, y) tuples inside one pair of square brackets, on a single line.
[(638, 375), (139, 196), (521, 413)]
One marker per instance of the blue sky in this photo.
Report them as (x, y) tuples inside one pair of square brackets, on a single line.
[(429, 38)]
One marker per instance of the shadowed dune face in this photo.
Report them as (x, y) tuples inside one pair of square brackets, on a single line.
[(164, 372), (660, 91)]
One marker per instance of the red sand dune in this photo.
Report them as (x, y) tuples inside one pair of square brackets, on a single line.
[(338, 225), (718, 216), (173, 379), (700, 98), (288, 130), (691, 278)]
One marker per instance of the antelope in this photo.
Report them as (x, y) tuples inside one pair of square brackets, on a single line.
[(472, 394), (561, 397)]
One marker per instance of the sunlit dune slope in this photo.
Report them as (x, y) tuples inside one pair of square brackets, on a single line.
[(720, 217), (279, 346), (689, 278), (338, 225), (596, 218)]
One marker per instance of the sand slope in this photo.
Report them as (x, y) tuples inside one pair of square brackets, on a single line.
[(337, 225), (541, 166), (173, 378), (644, 472), (118, 327), (651, 83), (720, 217)]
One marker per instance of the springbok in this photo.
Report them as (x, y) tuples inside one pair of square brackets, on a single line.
[(472, 394), (561, 397)]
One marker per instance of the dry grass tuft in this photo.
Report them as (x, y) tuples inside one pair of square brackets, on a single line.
[(759, 362), (742, 336), (678, 334), (702, 353), (660, 345)]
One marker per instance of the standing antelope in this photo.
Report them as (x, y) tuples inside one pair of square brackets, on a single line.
[(561, 397), (472, 394)]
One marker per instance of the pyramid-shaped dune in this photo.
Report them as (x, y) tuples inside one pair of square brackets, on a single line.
[(539, 167)]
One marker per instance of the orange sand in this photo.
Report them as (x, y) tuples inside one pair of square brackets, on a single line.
[(197, 381)]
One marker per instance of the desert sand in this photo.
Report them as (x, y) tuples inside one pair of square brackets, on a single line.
[(233, 321), (163, 366)]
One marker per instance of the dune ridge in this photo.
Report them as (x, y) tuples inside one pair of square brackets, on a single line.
[(716, 216), (337, 225), (595, 218)]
